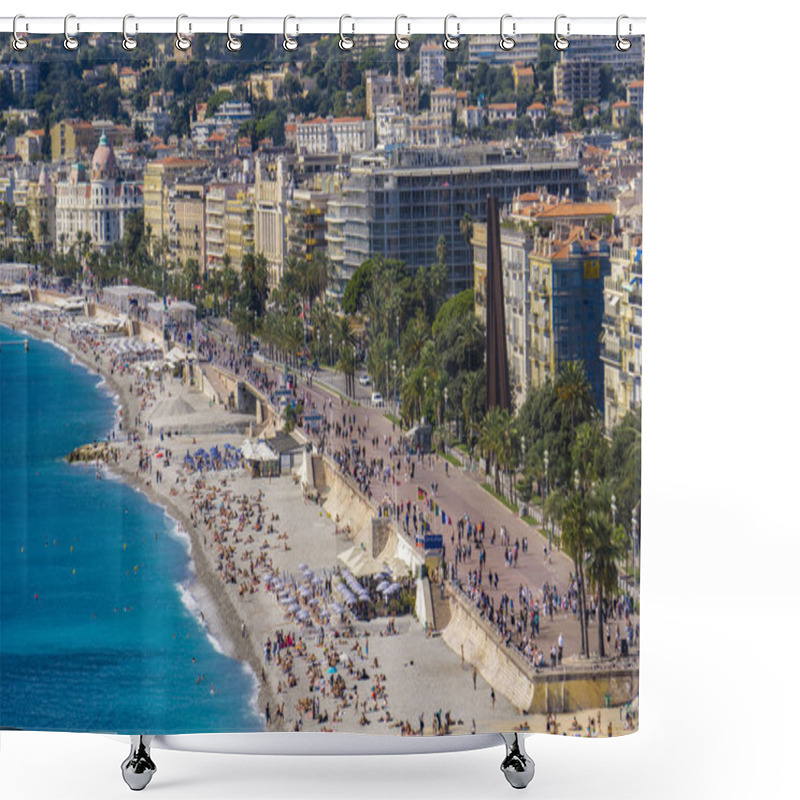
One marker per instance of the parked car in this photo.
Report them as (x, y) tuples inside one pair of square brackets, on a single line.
[(377, 399), (364, 379)]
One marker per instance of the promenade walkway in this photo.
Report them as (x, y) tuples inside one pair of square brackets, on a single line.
[(460, 494)]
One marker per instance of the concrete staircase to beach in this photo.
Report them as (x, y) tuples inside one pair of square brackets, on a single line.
[(318, 472), (441, 608)]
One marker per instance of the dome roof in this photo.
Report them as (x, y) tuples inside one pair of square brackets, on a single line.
[(104, 163)]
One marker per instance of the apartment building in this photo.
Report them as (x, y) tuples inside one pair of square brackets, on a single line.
[(621, 351), (577, 79), (271, 200), (553, 294), (431, 65), (428, 191)]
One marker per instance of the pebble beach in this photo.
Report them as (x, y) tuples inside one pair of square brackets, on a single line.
[(260, 547)]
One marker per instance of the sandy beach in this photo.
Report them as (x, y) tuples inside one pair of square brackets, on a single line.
[(260, 547)]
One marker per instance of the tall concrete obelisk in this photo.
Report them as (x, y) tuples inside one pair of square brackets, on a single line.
[(497, 388)]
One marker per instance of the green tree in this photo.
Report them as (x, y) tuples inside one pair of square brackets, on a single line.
[(575, 535), (493, 441), (358, 285), (606, 549), (574, 392)]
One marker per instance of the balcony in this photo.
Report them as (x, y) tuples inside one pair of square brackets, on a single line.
[(610, 320), (610, 356)]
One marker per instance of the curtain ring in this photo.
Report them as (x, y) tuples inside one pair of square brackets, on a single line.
[(18, 41), (70, 42), (622, 44), (233, 44), (450, 42), (507, 42), (289, 42), (182, 42), (561, 43), (401, 40), (345, 43), (128, 42)]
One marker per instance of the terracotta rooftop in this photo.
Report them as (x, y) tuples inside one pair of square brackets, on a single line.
[(566, 210)]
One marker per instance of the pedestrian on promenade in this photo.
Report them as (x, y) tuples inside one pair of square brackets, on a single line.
[(268, 715), (474, 679), (493, 698)]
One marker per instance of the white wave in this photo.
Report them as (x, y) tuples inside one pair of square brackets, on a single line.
[(193, 607), (177, 531)]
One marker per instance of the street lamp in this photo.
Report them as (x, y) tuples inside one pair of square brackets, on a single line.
[(394, 373), (444, 416), (634, 528), (546, 492), (614, 510), (330, 342)]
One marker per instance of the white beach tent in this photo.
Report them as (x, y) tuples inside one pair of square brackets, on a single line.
[(359, 562)]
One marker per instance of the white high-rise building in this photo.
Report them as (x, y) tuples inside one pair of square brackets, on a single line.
[(431, 65)]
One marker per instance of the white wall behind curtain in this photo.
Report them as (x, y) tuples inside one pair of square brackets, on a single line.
[(720, 468)]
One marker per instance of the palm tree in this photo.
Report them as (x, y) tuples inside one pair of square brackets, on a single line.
[(345, 342), (347, 365), (492, 441), (574, 391), (413, 395), (575, 535), (229, 282), (606, 549), (465, 226), (322, 273), (414, 339)]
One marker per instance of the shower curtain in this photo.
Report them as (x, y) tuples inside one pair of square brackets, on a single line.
[(321, 385)]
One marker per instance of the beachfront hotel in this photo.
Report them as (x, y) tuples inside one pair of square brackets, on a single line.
[(97, 202)]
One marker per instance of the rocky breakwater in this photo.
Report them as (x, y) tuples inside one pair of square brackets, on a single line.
[(93, 453)]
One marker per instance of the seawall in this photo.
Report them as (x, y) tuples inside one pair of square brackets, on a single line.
[(565, 689)]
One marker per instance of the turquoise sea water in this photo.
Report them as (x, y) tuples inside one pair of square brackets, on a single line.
[(94, 633)]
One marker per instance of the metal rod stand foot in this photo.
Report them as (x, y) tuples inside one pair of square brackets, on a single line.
[(138, 768), (517, 766)]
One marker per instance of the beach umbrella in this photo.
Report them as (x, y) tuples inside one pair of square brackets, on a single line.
[(332, 670), (302, 567), (382, 585), (302, 614), (293, 608), (305, 591)]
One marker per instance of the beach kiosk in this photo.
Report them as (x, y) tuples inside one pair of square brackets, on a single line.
[(261, 459)]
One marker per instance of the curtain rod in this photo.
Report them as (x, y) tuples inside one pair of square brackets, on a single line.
[(297, 26)]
